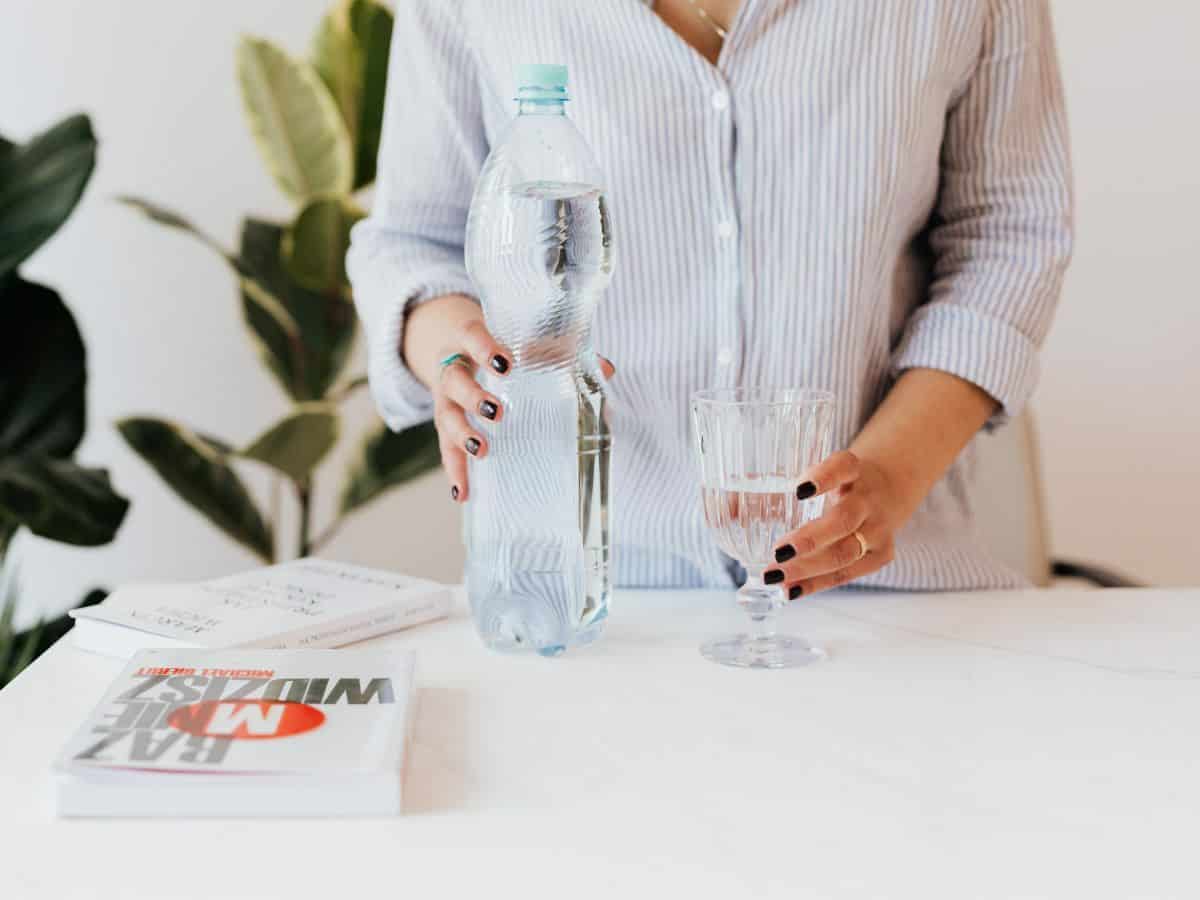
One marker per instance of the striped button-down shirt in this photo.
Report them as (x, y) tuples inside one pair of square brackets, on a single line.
[(858, 187)]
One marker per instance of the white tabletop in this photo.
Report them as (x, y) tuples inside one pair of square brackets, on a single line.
[(1035, 744)]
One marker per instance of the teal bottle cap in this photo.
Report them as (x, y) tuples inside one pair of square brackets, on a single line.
[(542, 77)]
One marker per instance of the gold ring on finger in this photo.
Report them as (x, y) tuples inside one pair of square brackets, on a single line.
[(863, 547)]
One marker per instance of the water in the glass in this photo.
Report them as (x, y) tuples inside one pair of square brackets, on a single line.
[(749, 516)]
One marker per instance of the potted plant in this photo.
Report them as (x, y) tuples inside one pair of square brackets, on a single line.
[(317, 124), (43, 379)]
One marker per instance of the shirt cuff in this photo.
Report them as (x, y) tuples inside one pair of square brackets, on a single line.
[(401, 399), (976, 347)]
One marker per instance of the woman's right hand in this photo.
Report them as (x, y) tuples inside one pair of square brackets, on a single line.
[(435, 330)]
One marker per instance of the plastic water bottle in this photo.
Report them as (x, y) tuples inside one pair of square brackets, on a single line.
[(539, 249)]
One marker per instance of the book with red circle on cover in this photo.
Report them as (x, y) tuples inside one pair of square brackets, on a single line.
[(192, 732)]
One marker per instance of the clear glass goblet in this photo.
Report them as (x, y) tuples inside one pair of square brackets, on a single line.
[(753, 445)]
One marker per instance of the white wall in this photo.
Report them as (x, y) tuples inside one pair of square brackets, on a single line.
[(1119, 423), (1120, 398)]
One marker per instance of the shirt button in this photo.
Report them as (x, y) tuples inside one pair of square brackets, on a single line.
[(725, 230), (724, 356), (720, 101)]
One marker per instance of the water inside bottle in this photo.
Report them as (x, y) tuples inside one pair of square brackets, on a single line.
[(537, 519)]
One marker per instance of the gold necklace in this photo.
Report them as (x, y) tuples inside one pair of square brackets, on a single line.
[(703, 13)]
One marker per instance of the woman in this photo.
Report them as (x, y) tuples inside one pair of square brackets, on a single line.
[(869, 197)]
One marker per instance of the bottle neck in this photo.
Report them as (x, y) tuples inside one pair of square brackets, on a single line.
[(541, 108)]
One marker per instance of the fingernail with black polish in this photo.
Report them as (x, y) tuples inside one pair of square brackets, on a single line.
[(472, 445), (454, 492), (795, 591), (773, 576), (487, 409), (784, 553), (499, 363), (806, 490)]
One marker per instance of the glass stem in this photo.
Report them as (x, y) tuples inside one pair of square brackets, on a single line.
[(761, 602)]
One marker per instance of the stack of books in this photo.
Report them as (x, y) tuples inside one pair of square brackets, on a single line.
[(230, 705)]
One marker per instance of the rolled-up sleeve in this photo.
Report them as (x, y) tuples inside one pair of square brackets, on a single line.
[(1002, 230), (410, 249)]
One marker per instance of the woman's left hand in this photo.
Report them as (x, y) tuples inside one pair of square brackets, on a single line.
[(855, 535)]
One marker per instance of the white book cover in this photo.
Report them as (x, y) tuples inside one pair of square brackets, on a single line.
[(305, 603), (244, 732)]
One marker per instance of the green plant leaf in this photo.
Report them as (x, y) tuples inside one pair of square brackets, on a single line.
[(272, 307), (348, 389), (303, 336), (252, 291), (165, 217), (40, 183), (295, 445), (390, 458), (337, 57), (373, 27), (42, 372), (314, 247), (218, 446), (60, 500), (34, 641), (309, 360), (28, 642), (8, 530), (10, 588), (350, 51), (295, 122), (203, 478), (8, 636)]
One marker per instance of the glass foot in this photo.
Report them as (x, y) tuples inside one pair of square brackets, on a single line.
[(777, 652)]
